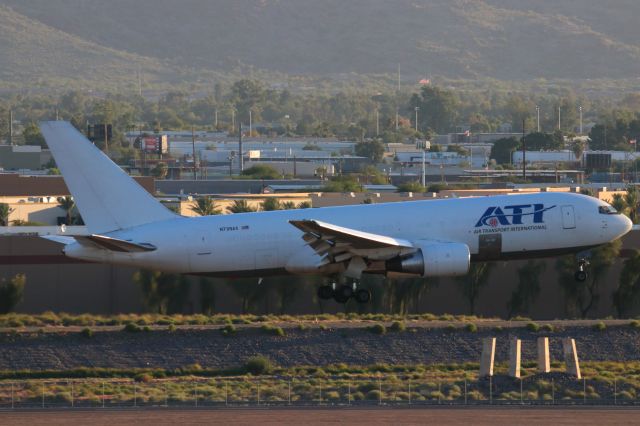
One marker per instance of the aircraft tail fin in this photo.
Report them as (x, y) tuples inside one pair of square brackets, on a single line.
[(108, 198)]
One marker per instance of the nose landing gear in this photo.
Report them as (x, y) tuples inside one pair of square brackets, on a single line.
[(581, 274), (343, 293)]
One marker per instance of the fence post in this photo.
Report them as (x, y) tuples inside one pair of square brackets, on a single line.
[(72, 399), (42, 394), (349, 392), (439, 387), (379, 391), (490, 390), (465, 390), (615, 391), (195, 391), (135, 394), (258, 391), (584, 391), (12, 396), (226, 392), (289, 390), (409, 390), (521, 398), (553, 392)]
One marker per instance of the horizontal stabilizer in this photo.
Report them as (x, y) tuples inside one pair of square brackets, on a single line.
[(102, 242)]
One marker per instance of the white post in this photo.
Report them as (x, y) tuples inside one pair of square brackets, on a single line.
[(514, 358), (424, 168), (544, 361), (487, 357), (571, 357)]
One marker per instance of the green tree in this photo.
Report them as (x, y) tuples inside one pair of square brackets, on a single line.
[(271, 204), (11, 292), (438, 109), (578, 147), (32, 135), (240, 206), (538, 141), (160, 171), (582, 297), (205, 206), (5, 211), (261, 171), (343, 184), (527, 290), (207, 296), (373, 150), (472, 284), (502, 150), (161, 292), (632, 200), (67, 204), (413, 186), (627, 295)]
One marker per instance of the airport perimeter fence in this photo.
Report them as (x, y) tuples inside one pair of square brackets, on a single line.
[(313, 391)]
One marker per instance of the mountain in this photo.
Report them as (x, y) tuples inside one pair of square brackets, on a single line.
[(174, 39)]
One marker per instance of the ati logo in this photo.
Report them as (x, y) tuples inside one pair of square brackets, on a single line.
[(496, 216)]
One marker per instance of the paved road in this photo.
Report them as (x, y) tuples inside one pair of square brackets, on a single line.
[(308, 417)]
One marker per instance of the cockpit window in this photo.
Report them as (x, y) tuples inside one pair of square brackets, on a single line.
[(607, 210)]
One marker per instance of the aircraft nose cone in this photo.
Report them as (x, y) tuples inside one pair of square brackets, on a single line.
[(624, 224)]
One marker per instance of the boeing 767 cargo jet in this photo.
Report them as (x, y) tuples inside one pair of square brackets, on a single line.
[(128, 226)]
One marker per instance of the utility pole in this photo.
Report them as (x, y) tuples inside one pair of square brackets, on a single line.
[(524, 151), (377, 122), (250, 124), (397, 119), (559, 117), (215, 119), (106, 138), (580, 108), (10, 127), (233, 118), (241, 157), (398, 77), (424, 166), (538, 118), (417, 109), (193, 148)]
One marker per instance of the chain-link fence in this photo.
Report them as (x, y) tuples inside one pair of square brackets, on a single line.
[(315, 391)]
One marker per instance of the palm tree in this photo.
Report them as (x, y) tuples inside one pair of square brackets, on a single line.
[(618, 202), (240, 206), (5, 211), (67, 204), (528, 288), (271, 204), (472, 283), (288, 205), (627, 295), (632, 200), (205, 206)]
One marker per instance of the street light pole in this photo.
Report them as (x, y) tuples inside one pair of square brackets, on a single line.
[(559, 117), (538, 117), (580, 108), (377, 122), (417, 109), (250, 124)]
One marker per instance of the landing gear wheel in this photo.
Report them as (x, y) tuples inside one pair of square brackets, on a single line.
[(581, 276), (325, 292), (362, 295), (343, 293)]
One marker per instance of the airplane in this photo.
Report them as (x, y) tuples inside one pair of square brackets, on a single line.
[(128, 226)]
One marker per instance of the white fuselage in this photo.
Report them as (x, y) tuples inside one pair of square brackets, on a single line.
[(258, 244)]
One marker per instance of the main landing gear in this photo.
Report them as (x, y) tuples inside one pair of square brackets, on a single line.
[(581, 274), (343, 293)]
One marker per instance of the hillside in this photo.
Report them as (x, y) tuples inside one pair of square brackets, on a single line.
[(495, 38), (501, 39)]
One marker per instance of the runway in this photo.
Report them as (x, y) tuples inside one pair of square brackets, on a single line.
[(313, 416)]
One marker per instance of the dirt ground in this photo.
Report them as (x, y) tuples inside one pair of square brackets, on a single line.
[(369, 417)]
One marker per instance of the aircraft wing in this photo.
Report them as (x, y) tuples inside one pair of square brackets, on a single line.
[(102, 242), (339, 243)]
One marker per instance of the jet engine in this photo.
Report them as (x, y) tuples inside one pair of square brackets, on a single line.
[(432, 259)]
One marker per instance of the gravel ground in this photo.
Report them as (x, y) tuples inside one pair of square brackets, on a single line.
[(314, 346)]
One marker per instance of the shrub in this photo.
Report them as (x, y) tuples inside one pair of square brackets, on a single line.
[(143, 377), (600, 326), (171, 328), (146, 329), (378, 329), (274, 330), (398, 326), (228, 330), (532, 326), (87, 332), (548, 327), (450, 328), (258, 365), (635, 324), (471, 327), (131, 328)]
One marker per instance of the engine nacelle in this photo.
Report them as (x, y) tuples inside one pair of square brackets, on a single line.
[(433, 259)]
